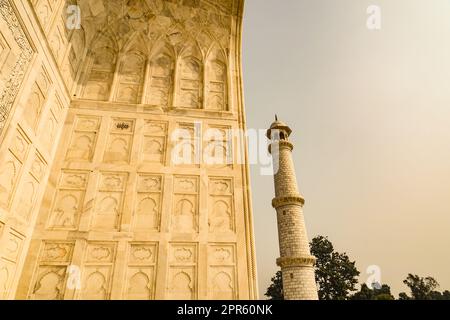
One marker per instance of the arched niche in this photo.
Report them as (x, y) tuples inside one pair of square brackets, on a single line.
[(102, 67), (131, 77), (190, 79), (216, 81), (162, 65)]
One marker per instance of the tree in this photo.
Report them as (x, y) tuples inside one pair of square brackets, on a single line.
[(336, 275), (421, 288), (446, 295), (275, 291), (377, 292)]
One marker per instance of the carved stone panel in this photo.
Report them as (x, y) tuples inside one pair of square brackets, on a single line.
[(143, 254), (185, 217), (109, 201), (186, 185), (118, 149), (182, 279), (216, 86), (12, 246), (183, 254), (182, 283), (10, 171), (50, 276), (140, 283), (218, 146), (27, 196), (222, 254), (221, 215), (19, 146), (100, 253), (186, 140), (84, 139), (7, 270), (82, 147), (161, 83), (9, 175), (141, 271), (10, 252), (68, 202), (34, 106), (98, 269), (50, 283), (222, 272), (185, 214), (50, 131), (57, 252), (58, 42), (155, 140), (222, 283), (147, 213), (44, 12), (38, 167), (31, 185), (131, 76), (96, 283), (191, 83)]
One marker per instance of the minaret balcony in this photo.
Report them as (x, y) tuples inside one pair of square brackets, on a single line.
[(290, 200), (302, 261), (282, 144)]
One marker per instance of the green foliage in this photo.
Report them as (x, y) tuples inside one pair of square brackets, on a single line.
[(275, 291), (336, 275), (377, 293), (421, 288)]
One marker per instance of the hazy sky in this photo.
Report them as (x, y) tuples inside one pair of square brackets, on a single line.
[(370, 112)]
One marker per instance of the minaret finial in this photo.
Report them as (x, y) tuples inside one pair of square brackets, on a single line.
[(276, 117)]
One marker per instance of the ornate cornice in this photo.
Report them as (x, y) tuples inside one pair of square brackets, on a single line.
[(304, 261), (282, 144), (284, 201), (13, 84)]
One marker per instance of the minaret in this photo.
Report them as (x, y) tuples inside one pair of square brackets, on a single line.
[(296, 262)]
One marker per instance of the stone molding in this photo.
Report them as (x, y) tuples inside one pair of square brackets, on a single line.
[(282, 144), (304, 261), (284, 201)]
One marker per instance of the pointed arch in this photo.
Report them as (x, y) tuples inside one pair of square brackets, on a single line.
[(132, 67), (102, 67), (139, 287), (190, 78), (162, 65), (216, 80), (223, 288)]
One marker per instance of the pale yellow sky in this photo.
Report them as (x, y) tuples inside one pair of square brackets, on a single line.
[(370, 112)]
